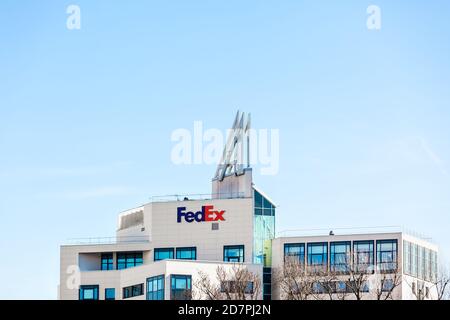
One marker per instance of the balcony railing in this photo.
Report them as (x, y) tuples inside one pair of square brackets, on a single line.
[(108, 240), (352, 230), (198, 197)]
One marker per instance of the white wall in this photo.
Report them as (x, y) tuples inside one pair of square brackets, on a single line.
[(237, 229)]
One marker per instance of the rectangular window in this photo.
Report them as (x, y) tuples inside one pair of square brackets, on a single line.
[(340, 256), (407, 257), (88, 292), (427, 264), (341, 286), (133, 291), (187, 253), (318, 288), (433, 266), (294, 252), (107, 261), (155, 288), (387, 285), (363, 256), (127, 260), (180, 287), (163, 254), (421, 273), (110, 294), (318, 256), (233, 253), (387, 255), (236, 287), (414, 259)]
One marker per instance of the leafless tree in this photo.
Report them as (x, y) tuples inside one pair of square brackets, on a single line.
[(441, 283), (385, 283), (237, 283), (348, 281), (293, 281)]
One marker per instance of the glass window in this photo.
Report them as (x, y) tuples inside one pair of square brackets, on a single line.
[(363, 256), (133, 291), (318, 287), (294, 252), (110, 294), (89, 292), (263, 206), (434, 268), (258, 200), (387, 285), (180, 287), (163, 254), (318, 256), (340, 254), (414, 259), (187, 253), (107, 261), (341, 286), (427, 264), (407, 257), (263, 229), (387, 255), (233, 287), (155, 288), (129, 260), (233, 253)]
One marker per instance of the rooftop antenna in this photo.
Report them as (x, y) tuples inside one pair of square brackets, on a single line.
[(233, 152)]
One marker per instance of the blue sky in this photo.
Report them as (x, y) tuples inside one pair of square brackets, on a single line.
[(86, 115)]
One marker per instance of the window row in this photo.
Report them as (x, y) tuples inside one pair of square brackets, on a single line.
[(339, 256), (124, 260), (419, 262), (181, 253), (230, 253), (180, 289), (336, 287)]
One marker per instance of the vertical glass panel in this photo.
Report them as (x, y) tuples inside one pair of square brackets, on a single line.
[(363, 255), (233, 253), (340, 256), (180, 287), (387, 255), (187, 253), (110, 294), (88, 292)]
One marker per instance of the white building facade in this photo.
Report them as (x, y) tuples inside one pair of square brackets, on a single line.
[(161, 248), (171, 241)]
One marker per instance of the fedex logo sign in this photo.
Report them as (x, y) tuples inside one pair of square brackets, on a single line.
[(207, 214)]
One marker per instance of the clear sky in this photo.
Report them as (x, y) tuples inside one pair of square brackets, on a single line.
[(86, 115)]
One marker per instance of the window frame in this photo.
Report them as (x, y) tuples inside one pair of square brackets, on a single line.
[(231, 247), (392, 266), (186, 249), (83, 288), (127, 257), (160, 250), (159, 279), (106, 295), (369, 267), (348, 256), (309, 254), (131, 290), (188, 289), (294, 245), (109, 264)]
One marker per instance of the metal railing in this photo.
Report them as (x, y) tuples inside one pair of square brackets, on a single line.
[(108, 240), (198, 197), (352, 230)]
